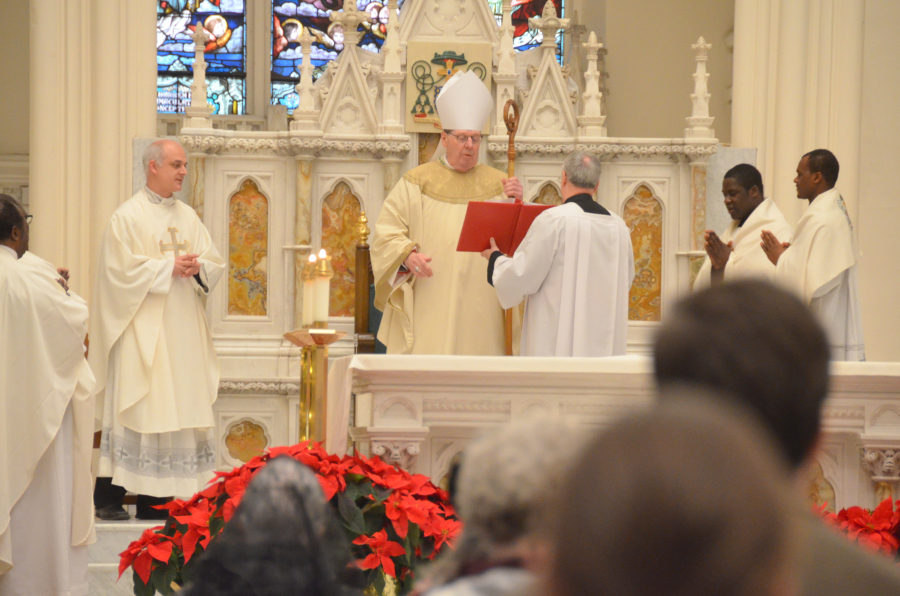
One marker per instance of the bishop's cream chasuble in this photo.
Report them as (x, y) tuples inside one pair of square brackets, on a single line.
[(748, 259), (820, 266), (46, 427), (574, 270), (455, 311), (151, 349)]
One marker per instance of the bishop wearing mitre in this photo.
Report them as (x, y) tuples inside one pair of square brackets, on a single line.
[(434, 298)]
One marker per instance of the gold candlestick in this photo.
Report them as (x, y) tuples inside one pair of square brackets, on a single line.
[(313, 379)]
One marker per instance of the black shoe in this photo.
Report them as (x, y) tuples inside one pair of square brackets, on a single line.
[(153, 514), (112, 513)]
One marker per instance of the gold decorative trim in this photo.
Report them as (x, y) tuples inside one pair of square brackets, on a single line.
[(442, 183)]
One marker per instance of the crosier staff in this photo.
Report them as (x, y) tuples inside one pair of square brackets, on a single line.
[(511, 119)]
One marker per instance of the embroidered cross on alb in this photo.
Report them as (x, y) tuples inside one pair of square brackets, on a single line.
[(174, 246)]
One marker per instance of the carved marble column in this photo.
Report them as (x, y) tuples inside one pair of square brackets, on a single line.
[(302, 230), (882, 460), (199, 110), (798, 87), (80, 132), (700, 122), (506, 76), (590, 122), (392, 77)]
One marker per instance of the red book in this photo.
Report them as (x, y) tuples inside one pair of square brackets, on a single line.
[(506, 223)]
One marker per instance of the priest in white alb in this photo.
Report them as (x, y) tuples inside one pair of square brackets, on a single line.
[(574, 269), (737, 253), (46, 422), (151, 349), (821, 264), (434, 299)]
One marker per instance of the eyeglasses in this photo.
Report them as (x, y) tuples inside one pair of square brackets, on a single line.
[(28, 219), (463, 139)]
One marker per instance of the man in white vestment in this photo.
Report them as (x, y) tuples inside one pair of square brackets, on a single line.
[(573, 269), (737, 253), (151, 349), (434, 299), (820, 265), (46, 423)]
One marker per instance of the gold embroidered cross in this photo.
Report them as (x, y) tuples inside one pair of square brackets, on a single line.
[(174, 247)]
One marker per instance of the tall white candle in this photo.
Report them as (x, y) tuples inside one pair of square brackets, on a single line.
[(322, 287), (309, 306)]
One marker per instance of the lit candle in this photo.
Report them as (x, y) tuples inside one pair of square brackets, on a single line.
[(309, 306), (323, 286)]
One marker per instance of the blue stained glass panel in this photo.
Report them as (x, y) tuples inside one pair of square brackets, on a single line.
[(288, 18), (525, 38), (226, 53)]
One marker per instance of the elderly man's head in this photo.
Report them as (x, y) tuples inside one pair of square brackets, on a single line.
[(759, 346), (13, 225), (462, 148), (580, 174), (165, 164)]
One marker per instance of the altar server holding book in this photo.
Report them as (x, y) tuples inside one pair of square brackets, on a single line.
[(574, 269), (46, 422)]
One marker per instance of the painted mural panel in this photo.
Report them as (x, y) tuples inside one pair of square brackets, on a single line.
[(340, 212), (548, 195), (428, 144), (643, 214), (248, 237)]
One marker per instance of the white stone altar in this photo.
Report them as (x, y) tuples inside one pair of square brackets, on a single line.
[(419, 411)]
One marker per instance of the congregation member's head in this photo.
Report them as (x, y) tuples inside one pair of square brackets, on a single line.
[(742, 188), (165, 165), (580, 174), (683, 500), (13, 225), (757, 345), (817, 172), (505, 487), (281, 540), (464, 106)]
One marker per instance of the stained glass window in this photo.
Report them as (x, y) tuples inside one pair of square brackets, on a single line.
[(288, 18), (226, 54), (525, 38)]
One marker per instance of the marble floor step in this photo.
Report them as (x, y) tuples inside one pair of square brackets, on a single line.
[(103, 556)]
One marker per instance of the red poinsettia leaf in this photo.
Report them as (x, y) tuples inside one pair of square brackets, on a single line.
[(161, 551), (370, 562), (362, 539), (189, 544), (329, 486), (125, 561), (388, 566), (401, 526), (142, 566), (393, 549)]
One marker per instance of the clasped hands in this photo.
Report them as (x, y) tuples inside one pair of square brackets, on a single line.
[(772, 247), (186, 266)]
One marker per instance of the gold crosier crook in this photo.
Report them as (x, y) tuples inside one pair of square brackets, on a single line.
[(511, 119)]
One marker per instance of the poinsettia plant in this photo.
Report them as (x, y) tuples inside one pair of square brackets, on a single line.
[(392, 520), (878, 529)]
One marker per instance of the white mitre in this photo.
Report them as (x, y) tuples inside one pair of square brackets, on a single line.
[(464, 103)]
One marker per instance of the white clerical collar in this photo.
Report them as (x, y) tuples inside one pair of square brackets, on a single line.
[(10, 251), (157, 199), (443, 160)]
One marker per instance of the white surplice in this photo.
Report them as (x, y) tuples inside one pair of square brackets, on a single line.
[(820, 266), (46, 432), (748, 259), (151, 349), (574, 269)]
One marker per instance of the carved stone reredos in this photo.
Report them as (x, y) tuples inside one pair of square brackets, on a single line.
[(441, 20)]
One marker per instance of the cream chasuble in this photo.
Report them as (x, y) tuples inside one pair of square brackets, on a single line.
[(151, 349), (574, 270), (748, 259), (455, 311), (46, 417), (820, 266)]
